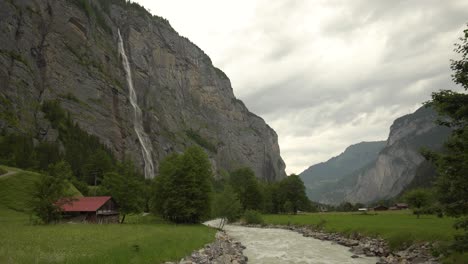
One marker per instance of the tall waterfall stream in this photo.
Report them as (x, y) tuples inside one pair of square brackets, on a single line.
[(137, 120), (271, 246)]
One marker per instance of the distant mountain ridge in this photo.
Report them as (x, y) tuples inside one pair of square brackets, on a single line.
[(320, 177), (397, 165), (400, 161)]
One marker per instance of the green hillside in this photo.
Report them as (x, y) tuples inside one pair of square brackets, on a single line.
[(17, 186)]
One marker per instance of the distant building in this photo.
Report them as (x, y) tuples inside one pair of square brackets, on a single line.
[(362, 209), (97, 209), (381, 208), (401, 206)]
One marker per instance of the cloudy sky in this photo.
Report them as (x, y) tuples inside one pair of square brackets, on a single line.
[(325, 74)]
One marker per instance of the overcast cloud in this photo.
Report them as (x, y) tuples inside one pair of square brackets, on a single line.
[(325, 74)]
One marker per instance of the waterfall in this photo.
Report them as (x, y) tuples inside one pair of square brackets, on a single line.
[(137, 118)]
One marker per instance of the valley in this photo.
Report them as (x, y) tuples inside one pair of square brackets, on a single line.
[(122, 141)]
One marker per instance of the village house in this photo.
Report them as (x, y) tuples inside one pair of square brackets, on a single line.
[(381, 208), (401, 206), (98, 209)]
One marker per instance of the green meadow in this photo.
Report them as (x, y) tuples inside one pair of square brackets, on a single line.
[(144, 239), (397, 227)]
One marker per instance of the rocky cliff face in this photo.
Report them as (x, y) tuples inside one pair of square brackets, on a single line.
[(321, 180), (68, 51), (398, 163), (379, 170)]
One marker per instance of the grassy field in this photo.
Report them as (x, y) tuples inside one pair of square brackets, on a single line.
[(16, 189), (397, 227), (144, 239), (21, 242)]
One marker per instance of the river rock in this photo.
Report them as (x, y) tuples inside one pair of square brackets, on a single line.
[(223, 250)]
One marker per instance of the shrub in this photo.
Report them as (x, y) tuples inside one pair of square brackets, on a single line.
[(227, 205), (2, 171), (201, 141), (253, 217)]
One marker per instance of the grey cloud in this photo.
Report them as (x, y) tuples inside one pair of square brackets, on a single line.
[(326, 83)]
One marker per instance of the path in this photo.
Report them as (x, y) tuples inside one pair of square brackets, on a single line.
[(8, 174)]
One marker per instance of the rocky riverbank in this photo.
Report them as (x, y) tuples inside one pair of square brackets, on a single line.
[(223, 251), (367, 246)]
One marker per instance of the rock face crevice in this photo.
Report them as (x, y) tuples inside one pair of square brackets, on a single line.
[(185, 100)]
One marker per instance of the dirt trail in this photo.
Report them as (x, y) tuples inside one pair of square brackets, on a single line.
[(8, 174)]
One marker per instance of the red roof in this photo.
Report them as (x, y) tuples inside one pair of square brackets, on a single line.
[(85, 204)]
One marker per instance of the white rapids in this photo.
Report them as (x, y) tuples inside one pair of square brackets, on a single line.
[(138, 120), (271, 246)]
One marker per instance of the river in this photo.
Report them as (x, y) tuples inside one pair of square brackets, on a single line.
[(271, 246)]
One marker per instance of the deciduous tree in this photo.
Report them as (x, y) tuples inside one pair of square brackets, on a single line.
[(247, 188), (48, 194), (452, 164), (126, 190), (183, 188)]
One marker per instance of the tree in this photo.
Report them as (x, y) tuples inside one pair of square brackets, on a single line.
[(47, 197), (247, 188), (183, 188), (292, 189), (452, 163), (227, 206), (418, 198), (60, 169), (47, 153), (126, 190), (97, 165)]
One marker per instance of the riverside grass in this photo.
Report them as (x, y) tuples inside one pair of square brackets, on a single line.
[(143, 239), (396, 227)]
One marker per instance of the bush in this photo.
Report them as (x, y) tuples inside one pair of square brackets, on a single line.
[(201, 141), (227, 205), (2, 171), (253, 217), (435, 209)]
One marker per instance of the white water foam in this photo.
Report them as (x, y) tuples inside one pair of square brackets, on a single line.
[(275, 246)]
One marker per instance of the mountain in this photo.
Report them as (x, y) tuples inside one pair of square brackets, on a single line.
[(384, 169), (400, 161), (322, 177), (128, 78)]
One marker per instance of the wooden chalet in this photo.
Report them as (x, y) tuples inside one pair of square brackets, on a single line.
[(98, 209), (381, 208), (401, 206)]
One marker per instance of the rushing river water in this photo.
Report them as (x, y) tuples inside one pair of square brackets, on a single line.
[(271, 246)]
